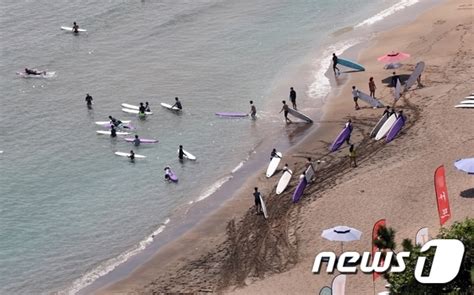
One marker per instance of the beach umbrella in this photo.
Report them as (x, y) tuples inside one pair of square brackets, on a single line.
[(341, 234), (393, 57), (466, 165)]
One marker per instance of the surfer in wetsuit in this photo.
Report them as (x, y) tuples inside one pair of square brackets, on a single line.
[(89, 100), (334, 65), (147, 107), (352, 156), (274, 154), (395, 77), (355, 96), (253, 110), (400, 115), (309, 163), (75, 27), (258, 204), (286, 168), (372, 87), (136, 141), (142, 108), (285, 110), (387, 111), (115, 122), (177, 104), (113, 132), (349, 124), (167, 173), (293, 97), (33, 72), (181, 153), (132, 156)]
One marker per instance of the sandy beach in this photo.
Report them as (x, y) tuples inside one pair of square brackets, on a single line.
[(236, 251)]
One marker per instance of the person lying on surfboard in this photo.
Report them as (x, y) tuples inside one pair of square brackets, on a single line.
[(177, 104), (33, 72), (75, 27)]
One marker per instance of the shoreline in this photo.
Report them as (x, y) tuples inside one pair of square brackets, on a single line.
[(238, 206)]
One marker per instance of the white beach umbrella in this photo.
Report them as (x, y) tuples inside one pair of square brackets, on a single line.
[(341, 234)]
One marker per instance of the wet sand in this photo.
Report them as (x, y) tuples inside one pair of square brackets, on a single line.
[(236, 251)]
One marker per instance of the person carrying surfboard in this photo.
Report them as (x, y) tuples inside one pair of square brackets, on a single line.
[(177, 104), (113, 132), (147, 107), (258, 204), (253, 110), (293, 97), (274, 154), (387, 112), (355, 96), (334, 65), (349, 124), (285, 110), (141, 108), (286, 168), (181, 153)]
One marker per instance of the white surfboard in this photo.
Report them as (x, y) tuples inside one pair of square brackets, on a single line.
[(130, 106), (264, 207), (122, 154), (398, 90), (169, 107), (299, 115), (284, 181), (470, 97), (188, 155), (107, 132), (378, 125), (107, 123), (130, 111), (467, 101), (272, 167), (69, 29), (464, 106), (386, 127)]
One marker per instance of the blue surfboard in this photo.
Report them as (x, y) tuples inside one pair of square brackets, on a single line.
[(350, 64)]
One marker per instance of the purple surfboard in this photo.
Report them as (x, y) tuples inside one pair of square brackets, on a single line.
[(142, 140), (232, 115), (393, 132), (299, 190), (345, 133), (172, 176)]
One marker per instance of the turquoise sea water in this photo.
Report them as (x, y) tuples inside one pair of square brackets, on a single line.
[(70, 210)]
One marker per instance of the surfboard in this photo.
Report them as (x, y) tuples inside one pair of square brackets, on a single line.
[(378, 125), (142, 140), (284, 181), (127, 155), (308, 174), (350, 64), (398, 90), (69, 29), (106, 123), (298, 193), (299, 115), (465, 106), (232, 115), (104, 132), (188, 155), (370, 100), (172, 175), (467, 101), (393, 132), (42, 76), (264, 207), (343, 135), (272, 167), (169, 107), (130, 111), (414, 76), (470, 97), (386, 127), (130, 106)]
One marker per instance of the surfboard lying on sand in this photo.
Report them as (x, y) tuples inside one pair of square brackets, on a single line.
[(393, 132), (142, 140), (370, 100), (414, 76), (127, 155), (300, 115), (469, 101), (350, 64), (386, 127), (272, 167), (378, 125), (188, 155), (169, 107), (284, 181), (465, 106), (130, 111), (104, 132), (264, 207), (298, 193), (232, 115), (343, 135), (69, 29)]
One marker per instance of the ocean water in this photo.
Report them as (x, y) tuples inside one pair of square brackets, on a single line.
[(70, 210)]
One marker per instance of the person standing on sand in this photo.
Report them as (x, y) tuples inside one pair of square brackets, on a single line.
[(349, 124), (352, 156), (286, 168), (274, 154), (372, 87), (334, 65), (393, 82), (293, 97), (285, 110), (88, 100), (258, 205), (355, 96), (387, 112), (253, 110), (309, 163)]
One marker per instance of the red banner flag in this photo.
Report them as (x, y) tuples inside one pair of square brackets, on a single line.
[(375, 235), (442, 195)]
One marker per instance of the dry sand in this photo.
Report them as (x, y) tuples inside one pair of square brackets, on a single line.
[(236, 251)]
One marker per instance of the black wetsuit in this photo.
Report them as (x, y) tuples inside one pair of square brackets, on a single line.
[(181, 154), (89, 100), (113, 132), (257, 198), (142, 109)]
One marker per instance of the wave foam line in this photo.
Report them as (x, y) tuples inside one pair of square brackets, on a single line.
[(109, 265), (212, 189), (387, 12)]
